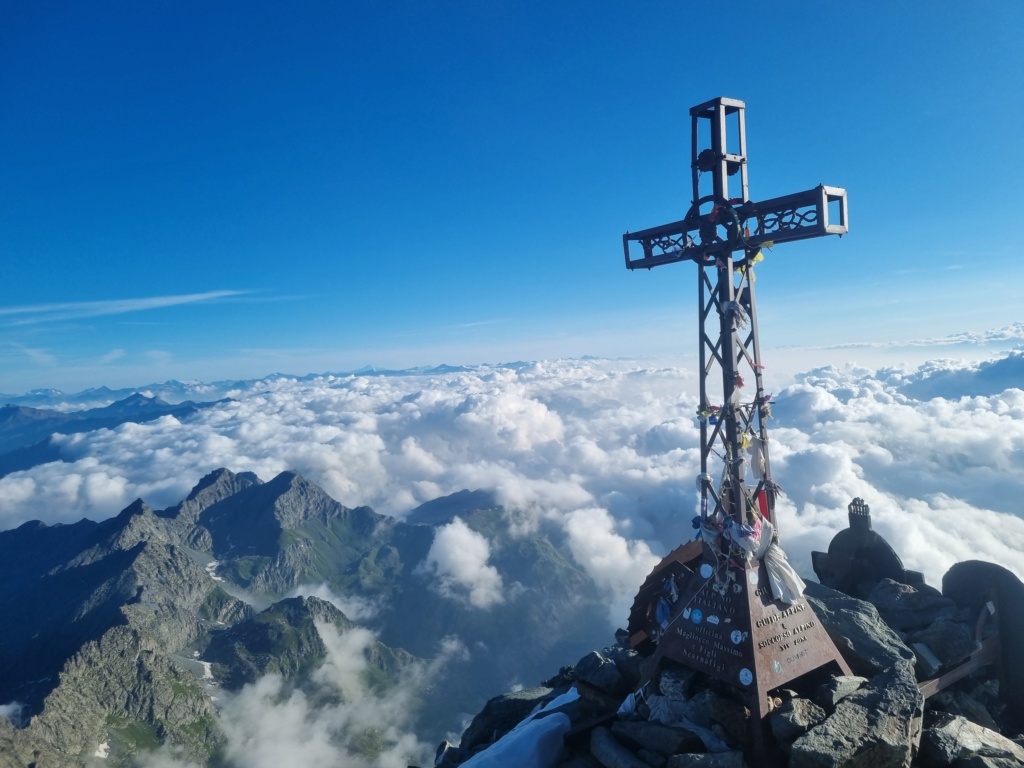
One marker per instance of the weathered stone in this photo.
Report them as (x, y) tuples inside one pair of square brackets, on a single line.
[(950, 641), (732, 759), (866, 642), (906, 607), (664, 739), (601, 673), (878, 726), (610, 753), (830, 693), (971, 584), (500, 715), (793, 719), (953, 738), (954, 702)]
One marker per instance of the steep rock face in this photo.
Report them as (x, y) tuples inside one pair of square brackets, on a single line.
[(126, 573), (172, 581), (119, 690), (214, 487)]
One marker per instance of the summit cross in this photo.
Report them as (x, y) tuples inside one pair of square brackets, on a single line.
[(724, 234), (729, 605)]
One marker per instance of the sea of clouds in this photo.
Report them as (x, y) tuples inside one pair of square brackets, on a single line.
[(606, 453)]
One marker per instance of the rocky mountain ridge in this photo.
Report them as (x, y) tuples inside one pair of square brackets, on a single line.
[(123, 605)]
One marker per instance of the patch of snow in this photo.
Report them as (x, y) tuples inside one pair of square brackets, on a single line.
[(211, 568), (102, 750), (207, 672)]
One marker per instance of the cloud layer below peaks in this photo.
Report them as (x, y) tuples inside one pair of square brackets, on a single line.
[(607, 452)]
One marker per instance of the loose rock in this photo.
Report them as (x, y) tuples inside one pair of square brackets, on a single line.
[(878, 726), (953, 738), (867, 643)]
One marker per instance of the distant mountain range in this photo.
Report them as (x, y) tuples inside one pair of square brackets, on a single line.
[(175, 391), (25, 432), (103, 622)]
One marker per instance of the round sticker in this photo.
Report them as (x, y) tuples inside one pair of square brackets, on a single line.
[(696, 616), (746, 677), (752, 577), (777, 667), (706, 570), (736, 637)]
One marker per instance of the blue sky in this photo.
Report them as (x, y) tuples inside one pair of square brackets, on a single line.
[(221, 190)]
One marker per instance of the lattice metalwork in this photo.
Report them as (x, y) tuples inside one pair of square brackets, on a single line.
[(708, 604), (724, 234)]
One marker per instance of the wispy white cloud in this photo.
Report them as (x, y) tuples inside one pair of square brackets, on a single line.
[(42, 313), (36, 355), (111, 356)]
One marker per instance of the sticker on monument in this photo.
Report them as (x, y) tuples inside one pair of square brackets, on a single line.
[(686, 613), (777, 667), (712, 619), (737, 588), (746, 677), (706, 570), (737, 637), (696, 616), (752, 577)]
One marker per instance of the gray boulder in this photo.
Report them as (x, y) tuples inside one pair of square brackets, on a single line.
[(950, 641), (867, 643), (602, 673), (830, 693), (953, 738), (878, 726), (971, 584), (500, 715), (907, 606), (955, 702), (793, 719)]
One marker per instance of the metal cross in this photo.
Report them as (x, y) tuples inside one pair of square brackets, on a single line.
[(708, 605), (724, 234)]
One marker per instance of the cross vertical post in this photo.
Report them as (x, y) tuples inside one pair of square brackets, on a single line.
[(727, 606)]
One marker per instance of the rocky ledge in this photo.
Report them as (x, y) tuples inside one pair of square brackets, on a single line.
[(612, 710)]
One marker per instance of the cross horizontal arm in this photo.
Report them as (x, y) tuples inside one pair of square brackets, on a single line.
[(780, 220)]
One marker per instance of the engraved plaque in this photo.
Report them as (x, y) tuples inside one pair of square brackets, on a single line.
[(727, 624)]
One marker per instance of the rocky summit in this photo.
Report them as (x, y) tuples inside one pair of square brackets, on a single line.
[(915, 700)]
